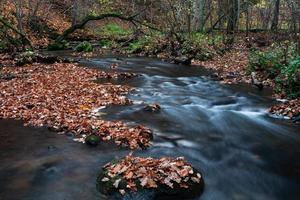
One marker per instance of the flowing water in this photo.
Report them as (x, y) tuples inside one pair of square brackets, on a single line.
[(224, 131)]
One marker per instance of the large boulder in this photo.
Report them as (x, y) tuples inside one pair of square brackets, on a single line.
[(147, 178)]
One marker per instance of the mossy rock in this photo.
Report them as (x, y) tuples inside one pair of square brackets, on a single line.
[(162, 192), (93, 140)]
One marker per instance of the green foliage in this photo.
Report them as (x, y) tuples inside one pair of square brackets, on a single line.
[(114, 31), (135, 46), (268, 62), (280, 62), (26, 57), (289, 79), (3, 46), (201, 38), (152, 43), (58, 45), (84, 47), (107, 44), (272, 60), (201, 46)]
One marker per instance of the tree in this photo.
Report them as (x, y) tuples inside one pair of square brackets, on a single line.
[(199, 14), (275, 20), (233, 17)]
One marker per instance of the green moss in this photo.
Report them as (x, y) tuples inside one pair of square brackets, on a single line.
[(107, 44), (135, 46), (93, 140), (84, 47), (61, 45), (114, 32)]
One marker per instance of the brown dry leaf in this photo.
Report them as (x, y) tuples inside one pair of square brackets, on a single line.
[(116, 183), (116, 169), (150, 172), (151, 183), (195, 179), (183, 173), (167, 181), (122, 192), (144, 181), (129, 175)]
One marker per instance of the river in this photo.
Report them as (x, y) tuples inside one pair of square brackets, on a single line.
[(224, 131)]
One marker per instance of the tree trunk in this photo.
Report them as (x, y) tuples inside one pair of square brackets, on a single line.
[(74, 12), (221, 13), (233, 17), (19, 13), (89, 18), (247, 20), (24, 38), (275, 20), (199, 14)]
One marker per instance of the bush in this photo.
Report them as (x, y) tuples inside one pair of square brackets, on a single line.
[(84, 47), (281, 63), (268, 62), (272, 60), (107, 44), (58, 45), (152, 43), (27, 57), (149, 44), (289, 79), (135, 46), (200, 46)]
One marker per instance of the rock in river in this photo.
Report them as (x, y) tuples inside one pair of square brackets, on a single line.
[(152, 108), (92, 140), (135, 178)]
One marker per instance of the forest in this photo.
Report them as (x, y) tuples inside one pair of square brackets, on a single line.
[(149, 99)]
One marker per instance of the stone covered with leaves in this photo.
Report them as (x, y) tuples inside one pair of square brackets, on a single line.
[(164, 177)]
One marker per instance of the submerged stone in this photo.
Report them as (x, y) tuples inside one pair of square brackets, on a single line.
[(152, 108), (92, 140)]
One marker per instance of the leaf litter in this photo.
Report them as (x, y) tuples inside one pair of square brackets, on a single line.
[(63, 97), (151, 172)]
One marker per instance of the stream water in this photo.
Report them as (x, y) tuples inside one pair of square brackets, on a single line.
[(224, 131)]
